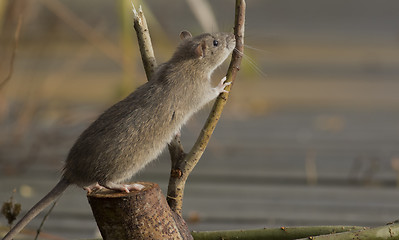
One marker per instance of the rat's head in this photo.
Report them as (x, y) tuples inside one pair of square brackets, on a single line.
[(207, 50)]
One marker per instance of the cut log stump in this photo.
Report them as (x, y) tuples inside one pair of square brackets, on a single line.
[(142, 214)]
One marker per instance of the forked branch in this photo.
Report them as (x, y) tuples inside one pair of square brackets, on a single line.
[(181, 168), (182, 163)]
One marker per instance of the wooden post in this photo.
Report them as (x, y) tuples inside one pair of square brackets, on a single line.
[(142, 214)]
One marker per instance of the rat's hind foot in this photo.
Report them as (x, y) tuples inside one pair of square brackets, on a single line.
[(222, 84), (93, 187), (123, 187)]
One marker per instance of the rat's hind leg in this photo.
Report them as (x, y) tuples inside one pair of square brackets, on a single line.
[(122, 187), (93, 187)]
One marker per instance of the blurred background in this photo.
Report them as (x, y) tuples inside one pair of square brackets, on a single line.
[(309, 136)]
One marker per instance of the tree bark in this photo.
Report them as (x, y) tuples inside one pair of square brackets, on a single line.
[(142, 214)]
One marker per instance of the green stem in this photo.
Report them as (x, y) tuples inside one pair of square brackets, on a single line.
[(283, 233)]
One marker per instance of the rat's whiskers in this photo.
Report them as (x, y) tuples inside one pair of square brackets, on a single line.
[(252, 63)]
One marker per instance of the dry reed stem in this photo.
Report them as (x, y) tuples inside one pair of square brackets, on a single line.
[(14, 51), (85, 30)]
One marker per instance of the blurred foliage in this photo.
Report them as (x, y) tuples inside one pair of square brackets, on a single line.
[(10, 209), (129, 49)]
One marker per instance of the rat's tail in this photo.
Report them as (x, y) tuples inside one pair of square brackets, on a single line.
[(40, 206)]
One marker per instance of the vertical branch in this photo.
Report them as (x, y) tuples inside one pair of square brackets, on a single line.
[(183, 167), (144, 40)]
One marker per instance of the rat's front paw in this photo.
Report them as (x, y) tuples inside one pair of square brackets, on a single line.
[(222, 84)]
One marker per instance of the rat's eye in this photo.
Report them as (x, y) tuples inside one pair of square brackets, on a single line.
[(215, 43)]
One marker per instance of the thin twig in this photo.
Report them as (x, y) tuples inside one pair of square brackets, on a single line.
[(44, 219), (144, 40), (187, 164), (14, 50)]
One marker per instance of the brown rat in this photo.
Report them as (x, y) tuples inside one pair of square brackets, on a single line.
[(134, 131)]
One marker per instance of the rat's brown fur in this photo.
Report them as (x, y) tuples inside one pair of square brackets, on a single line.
[(134, 131)]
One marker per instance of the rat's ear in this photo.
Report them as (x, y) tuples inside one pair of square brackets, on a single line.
[(185, 34), (200, 49)]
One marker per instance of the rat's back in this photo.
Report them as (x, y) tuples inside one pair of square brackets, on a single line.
[(124, 138)]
